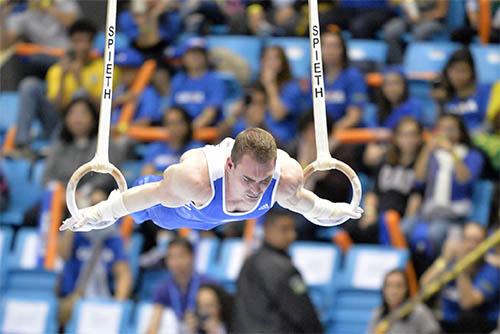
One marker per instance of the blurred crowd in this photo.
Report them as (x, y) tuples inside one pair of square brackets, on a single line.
[(427, 171)]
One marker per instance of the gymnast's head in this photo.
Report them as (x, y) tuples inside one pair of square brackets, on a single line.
[(250, 166)]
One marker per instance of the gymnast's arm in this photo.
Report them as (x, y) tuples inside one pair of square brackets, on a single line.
[(182, 183), (292, 195)]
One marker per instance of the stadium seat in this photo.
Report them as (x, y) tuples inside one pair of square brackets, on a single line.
[(232, 257), (206, 255), (33, 281), (23, 195), (5, 243), (482, 201), (20, 313), (318, 264), (367, 50), (358, 290), (99, 316), (247, 47), (487, 62), (26, 249), (427, 57), (8, 109), (297, 52), (134, 248), (143, 312), (149, 281)]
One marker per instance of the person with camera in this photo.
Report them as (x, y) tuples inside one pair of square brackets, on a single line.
[(76, 74), (213, 313)]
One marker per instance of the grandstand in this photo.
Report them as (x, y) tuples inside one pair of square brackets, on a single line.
[(416, 205)]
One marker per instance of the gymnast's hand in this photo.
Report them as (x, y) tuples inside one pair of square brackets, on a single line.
[(96, 217), (331, 214)]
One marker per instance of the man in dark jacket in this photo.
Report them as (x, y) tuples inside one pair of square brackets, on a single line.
[(271, 295)]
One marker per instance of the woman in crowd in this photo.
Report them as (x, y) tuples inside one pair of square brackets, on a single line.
[(395, 292), (447, 168), (394, 182), (160, 155), (459, 93), (213, 312)]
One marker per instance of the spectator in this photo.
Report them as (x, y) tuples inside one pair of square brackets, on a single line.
[(160, 155), (91, 260), (213, 312), (4, 191), (274, 101), (42, 22), (75, 74), (394, 101), (151, 26), (395, 292), (147, 104), (345, 89), (470, 303), (362, 18), (271, 294), (394, 181), (78, 140), (449, 166), (75, 146), (181, 285), (423, 17), (466, 33), (459, 92), (198, 89)]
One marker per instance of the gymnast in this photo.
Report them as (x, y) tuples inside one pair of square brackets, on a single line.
[(213, 185)]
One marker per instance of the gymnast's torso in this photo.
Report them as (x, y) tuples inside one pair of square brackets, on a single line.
[(213, 212)]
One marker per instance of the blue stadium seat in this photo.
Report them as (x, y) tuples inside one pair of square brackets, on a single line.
[(297, 52), (149, 281), (8, 109), (133, 249), (206, 255), (482, 201), (5, 243), (38, 170), (427, 56), (142, 318), (456, 14), (358, 290), (23, 194), (318, 264), (22, 313), (25, 255), (38, 282), (487, 62), (231, 259), (247, 47), (363, 50), (100, 316)]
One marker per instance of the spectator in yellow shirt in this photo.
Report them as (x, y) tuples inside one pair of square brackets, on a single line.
[(76, 74)]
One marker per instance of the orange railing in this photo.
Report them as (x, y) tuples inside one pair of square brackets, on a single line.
[(484, 21), (56, 216)]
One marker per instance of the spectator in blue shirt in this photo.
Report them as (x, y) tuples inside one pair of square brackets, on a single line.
[(345, 88), (160, 155), (470, 304), (447, 168), (79, 279), (460, 93), (273, 102), (179, 288), (198, 89), (394, 101), (147, 109)]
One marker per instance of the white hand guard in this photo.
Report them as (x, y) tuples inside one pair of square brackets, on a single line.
[(326, 213), (99, 216)]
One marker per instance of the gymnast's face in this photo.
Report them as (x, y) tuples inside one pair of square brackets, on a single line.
[(247, 178)]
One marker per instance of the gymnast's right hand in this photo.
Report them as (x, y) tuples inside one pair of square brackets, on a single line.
[(96, 217)]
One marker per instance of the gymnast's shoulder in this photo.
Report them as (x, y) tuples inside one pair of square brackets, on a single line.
[(291, 175)]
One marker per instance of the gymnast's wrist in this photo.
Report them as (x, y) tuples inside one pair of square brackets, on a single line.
[(113, 208)]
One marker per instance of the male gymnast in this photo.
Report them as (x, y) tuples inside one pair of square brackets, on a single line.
[(235, 180)]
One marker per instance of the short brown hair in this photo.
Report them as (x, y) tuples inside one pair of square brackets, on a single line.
[(256, 142)]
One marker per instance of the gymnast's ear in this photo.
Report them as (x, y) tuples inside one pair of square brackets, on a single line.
[(229, 164)]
